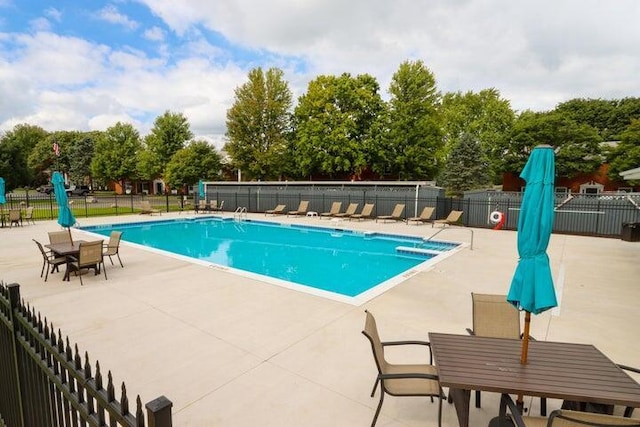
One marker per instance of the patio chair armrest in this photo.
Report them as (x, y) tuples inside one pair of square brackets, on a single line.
[(411, 342), (516, 416), (628, 368)]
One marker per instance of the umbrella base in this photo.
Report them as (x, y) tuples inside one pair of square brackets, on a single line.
[(496, 423)]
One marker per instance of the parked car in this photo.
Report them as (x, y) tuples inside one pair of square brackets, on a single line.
[(80, 190)]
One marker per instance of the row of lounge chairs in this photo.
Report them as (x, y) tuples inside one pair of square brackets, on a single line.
[(212, 206), (426, 216)]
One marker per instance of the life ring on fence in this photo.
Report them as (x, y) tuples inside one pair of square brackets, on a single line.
[(496, 217)]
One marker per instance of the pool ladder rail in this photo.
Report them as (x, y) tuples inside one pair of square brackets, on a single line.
[(239, 213)]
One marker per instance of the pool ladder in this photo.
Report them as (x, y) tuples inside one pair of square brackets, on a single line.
[(239, 213)]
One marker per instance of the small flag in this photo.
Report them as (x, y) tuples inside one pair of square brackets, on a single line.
[(56, 148)]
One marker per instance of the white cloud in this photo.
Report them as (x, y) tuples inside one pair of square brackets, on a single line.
[(54, 14), (111, 14), (154, 34)]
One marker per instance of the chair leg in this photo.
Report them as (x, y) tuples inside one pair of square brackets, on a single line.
[(44, 263), (110, 259), (104, 269), (375, 417), (375, 386), (440, 398), (477, 398), (79, 273), (46, 275), (121, 265), (543, 406)]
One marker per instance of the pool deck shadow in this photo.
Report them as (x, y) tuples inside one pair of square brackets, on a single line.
[(232, 351)]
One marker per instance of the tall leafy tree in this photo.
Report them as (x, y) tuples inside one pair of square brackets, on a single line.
[(170, 133), (115, 154), (466, 166), (197, 160), (15, 146), (43, 159), (335, 124), (258, 125), (413, 141), (609, 117), (81, 156), (626, 155), (486, 116), (578, 146)]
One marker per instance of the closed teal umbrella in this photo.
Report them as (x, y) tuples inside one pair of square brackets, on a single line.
[(3, 200), (200, 189), (65, 216), (532, 285)]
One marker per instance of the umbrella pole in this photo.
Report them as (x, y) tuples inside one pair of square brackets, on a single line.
[(70, 238), (525, 351)]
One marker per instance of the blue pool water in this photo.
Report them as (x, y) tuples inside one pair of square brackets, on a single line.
[(335, 260)]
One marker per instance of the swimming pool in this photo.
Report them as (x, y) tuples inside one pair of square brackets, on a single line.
[(329, 260)]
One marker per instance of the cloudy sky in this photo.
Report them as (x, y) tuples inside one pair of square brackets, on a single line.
[(87, 64)]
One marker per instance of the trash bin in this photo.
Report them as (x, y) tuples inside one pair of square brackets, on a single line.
[(631, 232)]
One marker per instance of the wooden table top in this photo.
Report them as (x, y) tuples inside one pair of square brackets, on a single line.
[(554, 369)]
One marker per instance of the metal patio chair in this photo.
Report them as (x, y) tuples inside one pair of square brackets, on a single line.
[(557, 418), (401, 380), (49, 259), (494, 317), (89, 257), (112, 247)]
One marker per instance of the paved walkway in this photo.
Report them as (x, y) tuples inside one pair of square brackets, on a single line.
[(231, 351)]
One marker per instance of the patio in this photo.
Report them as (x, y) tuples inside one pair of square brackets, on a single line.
[(231, 351)]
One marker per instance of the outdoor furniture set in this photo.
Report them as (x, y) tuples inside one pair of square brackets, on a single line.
[(578, 374), (77, 256)]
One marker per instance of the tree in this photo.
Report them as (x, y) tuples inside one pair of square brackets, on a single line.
[(626, 155), (115, 154), (170, 133), (577, 145), (609, 117), (197, 160), (335, 123), (15, 146), (467, 167), (486, 116), (81, 156), (413, 140), (258, 125)]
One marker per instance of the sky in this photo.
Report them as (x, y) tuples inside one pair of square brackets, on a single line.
[(85, 65)]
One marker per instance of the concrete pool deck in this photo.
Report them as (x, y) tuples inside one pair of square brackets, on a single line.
[(232, 351)]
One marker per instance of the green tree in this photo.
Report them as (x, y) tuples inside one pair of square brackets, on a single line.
[(81, 156), (609, 117), (197, 160), (467, 167), (115, 154), (15, 146), (43, 160), (486, 116), (336, 125), (170, 133), (626, 155), (578, 146), (413, 140), (258, 125)]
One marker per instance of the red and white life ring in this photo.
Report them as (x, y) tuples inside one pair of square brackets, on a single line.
[(496, 217)]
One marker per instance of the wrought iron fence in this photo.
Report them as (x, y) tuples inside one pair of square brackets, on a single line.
[(44, 382), (584, 214)]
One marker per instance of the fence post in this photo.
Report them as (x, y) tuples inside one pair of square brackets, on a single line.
[(159, 412), (14, 300)]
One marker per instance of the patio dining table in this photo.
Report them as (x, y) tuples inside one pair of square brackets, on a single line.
[(577, 372), (66, 250)]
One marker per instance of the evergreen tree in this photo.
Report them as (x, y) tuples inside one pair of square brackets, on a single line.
[(467, 167)]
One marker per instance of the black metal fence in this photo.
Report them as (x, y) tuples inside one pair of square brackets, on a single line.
[(44, 382), (584, 214)]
